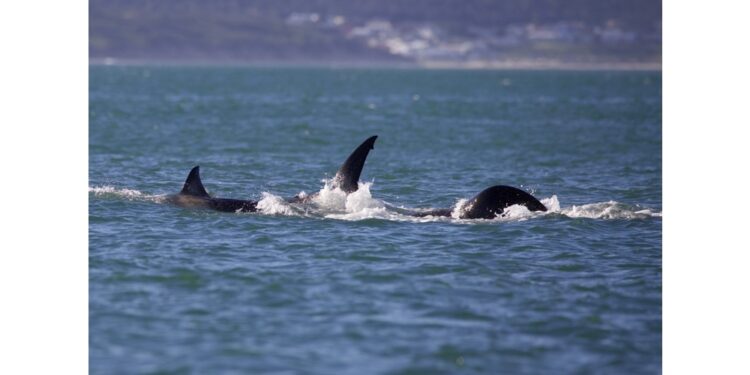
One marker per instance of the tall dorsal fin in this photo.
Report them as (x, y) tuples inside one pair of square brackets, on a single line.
[(193, 185), (347, 177)]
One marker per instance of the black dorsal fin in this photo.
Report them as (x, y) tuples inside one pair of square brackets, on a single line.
[(347, 177), (193, 185)]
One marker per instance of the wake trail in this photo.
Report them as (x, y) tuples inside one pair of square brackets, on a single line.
[(333, 203)]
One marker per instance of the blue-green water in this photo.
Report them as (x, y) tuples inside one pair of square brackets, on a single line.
[(350, 285)]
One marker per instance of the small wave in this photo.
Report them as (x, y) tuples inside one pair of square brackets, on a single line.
[(608, 210), (130, 194), (603, 210)]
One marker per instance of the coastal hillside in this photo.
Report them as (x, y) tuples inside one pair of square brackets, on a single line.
[(417, 31)]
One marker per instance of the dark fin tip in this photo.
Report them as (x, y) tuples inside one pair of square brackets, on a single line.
[(193, 185), (347, 177)]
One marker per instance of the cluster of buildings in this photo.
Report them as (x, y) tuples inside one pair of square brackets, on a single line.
[(428, 42)]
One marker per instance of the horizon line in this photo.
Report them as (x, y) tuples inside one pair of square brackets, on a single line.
[(522, 64)]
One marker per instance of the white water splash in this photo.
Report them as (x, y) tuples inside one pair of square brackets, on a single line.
[(459, 208), (271, 204), (603, 211), (362, 200), (515, 212), (334, 203), (130, 194), (330, 198), (359, 205), (552, 203), (608, 210)]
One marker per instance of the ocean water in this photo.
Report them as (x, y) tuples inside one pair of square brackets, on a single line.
[(349, 284)]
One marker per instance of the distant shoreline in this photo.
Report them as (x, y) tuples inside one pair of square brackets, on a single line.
[(542, 65), (436, 65)]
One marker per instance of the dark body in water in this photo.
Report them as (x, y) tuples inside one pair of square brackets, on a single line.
[(491, 202), (193, 194), (487, 204)]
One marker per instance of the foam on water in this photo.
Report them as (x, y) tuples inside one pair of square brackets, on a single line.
[(608, 210), (459, 208), (333, 203), (552, 203), (330, 198), (130, 194), (359, 205), (603, 210), (271, 204)]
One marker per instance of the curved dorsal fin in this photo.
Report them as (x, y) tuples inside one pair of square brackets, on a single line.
[(347, 177), (193, 185)]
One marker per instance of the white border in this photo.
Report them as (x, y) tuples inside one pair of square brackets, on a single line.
[(706, 268), (44, 148), (43, 141)]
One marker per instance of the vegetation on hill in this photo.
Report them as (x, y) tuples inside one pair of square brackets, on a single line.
[(337, 30)]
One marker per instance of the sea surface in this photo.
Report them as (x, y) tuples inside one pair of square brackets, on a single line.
[(351, 284)]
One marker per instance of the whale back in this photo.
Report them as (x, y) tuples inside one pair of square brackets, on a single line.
[(232, 205), (492, 201), (347, 177)]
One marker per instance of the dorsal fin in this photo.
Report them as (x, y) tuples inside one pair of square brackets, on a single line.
[(193, 185), (347, 177)]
